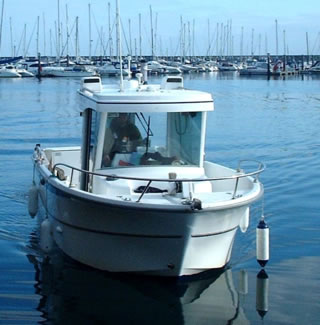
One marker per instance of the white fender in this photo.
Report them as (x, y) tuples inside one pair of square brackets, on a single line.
[(33, 200), (244, 222), (262, 248)]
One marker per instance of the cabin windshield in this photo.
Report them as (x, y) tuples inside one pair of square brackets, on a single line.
[(142, 139)]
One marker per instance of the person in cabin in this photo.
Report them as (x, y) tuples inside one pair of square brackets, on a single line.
[(124, 130), (122, 136)]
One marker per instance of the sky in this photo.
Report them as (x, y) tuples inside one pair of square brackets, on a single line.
[(199, 27)]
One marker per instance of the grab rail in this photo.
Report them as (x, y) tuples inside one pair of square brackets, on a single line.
[(241, 174)]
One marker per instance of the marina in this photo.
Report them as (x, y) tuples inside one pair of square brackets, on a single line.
[(268, 66), (280, 119), (173, 189)]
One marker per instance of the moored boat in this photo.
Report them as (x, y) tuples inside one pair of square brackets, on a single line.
[(9, 71), (78, 71), (137, 195)]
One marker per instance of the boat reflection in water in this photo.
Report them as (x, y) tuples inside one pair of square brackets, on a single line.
[(75, 294)]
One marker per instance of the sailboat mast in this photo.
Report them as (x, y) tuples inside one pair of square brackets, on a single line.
[(110, 34), (44, 34), (130, 37), (140, 39), (1, 22), (77, 38), (119, 43), (89, 5), (259, 45), (277, 52), (208, 51), (266, 44), (59, 34), (24, 40), (193, 31), (217, 40), (11, 40), (67, 29), (307, 41), (38, 20), (241, 43), (50, 36), (152, 46)]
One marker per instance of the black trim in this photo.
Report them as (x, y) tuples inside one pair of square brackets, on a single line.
[(215, 233), (139, 235), (116, 233), (85, 148)]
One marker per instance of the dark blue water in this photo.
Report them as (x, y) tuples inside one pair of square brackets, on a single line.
[(275, 121)]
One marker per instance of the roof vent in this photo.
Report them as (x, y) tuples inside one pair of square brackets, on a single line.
[(92, 84), (172, 82)]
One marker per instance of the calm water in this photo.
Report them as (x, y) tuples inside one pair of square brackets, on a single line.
[(274, 121)]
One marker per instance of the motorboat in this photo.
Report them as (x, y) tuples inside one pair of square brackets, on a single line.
[(211, 66), (155, 67), (172, 70), (186, 67), (147, 204), (44, 68), (9, 71), (23, 72), (257, 68), (15, 71), (113, 69), (227, 66), (168, 67), (78, 71), (315, 68)]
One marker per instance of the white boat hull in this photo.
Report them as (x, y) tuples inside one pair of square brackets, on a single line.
[(71, 74), (9, 74), (151, 241)]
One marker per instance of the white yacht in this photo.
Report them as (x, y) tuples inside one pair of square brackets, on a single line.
[(227, 66), (155, 67), (23, 71), (78, 71), (152, 204), (257, 68), (315, 68), (113, 69), (9, 71)]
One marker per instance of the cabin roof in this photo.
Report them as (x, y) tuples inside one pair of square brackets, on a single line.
[(169, 96)]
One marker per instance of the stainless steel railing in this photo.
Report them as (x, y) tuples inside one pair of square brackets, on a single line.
[(239, 174)]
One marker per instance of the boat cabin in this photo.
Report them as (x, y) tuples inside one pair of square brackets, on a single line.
[(158, 127), (143, 125)]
